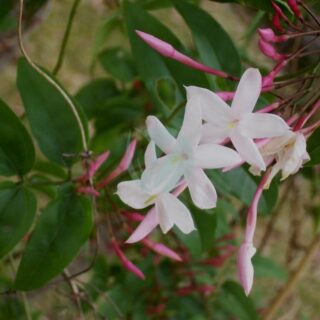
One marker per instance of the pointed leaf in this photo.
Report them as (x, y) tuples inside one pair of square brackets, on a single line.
[(17, 153), (62, 229), (17, 212), (52, 121)]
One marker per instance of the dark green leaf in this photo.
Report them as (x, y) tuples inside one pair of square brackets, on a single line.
[(235, 302), (17, 153), (62, 229), (118, 63), (242, 185), (215, 47), (313, 147), (206, 223), (52, 121), (95, 93), (265, 267), (17, 211), (151, 66)]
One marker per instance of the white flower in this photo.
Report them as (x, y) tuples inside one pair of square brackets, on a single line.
[(154, 189), (238, 123), (290, 153), (186, 157)]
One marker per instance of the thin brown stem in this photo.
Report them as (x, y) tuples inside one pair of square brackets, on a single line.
[(280, 298)]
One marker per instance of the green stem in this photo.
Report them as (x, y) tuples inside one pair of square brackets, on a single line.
[(66, 37), (174, 112)]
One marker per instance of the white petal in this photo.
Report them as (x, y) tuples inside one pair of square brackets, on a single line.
[(202, 191), (274, 171), (214, 133), (190, 133), (171, 211), (212, 156), (149, 222), (160, 135), (150, 155), (248, 151), (163, 174), (262, 125), (247, 93), (132, 194), (214, 109)]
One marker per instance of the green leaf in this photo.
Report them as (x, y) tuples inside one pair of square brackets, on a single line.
[(17, 153), (62, 229), (95, 93), (242, 185), (17, 212), (235, 302), (265, 267), (215, 47), (151, 66), (313, 148), (118, 63), (206, 223), (52, 121)]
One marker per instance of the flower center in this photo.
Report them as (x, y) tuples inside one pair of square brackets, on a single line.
[(233, 124), (150, 199)]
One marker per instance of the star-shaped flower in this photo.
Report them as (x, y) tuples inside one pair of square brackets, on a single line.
[(239, 123), (187, 157)]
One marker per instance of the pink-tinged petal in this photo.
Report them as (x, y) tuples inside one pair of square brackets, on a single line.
[(214, 133), (190, 133), (89, 191), (248, 151), (132, 194), (171, 211), (163, 215), (202, 191), (161, 249), (168, 50), (160, 135), (123, 165), (180, 188), (150, 156), (245, 267), (213, 156), (262, 125), (214, 109), (247, 92), (125, 261), (145, 227)]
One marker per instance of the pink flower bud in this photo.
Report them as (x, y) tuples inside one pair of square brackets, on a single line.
[(89, 191), (276, 22), (268, 80), (161, 249), (245, 267), (268, 35), (268, 50), (294, 7), (122, 166), (226, 95), (133, 216), (169, 51), (94, 166), (125, 261)]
